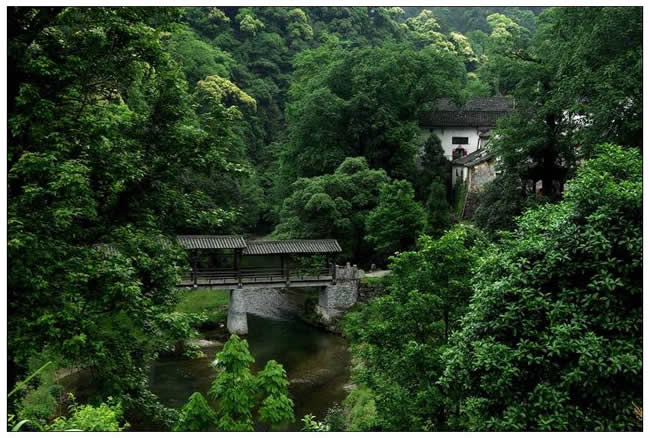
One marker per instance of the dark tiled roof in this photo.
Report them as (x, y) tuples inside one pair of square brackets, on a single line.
[(320, 246), (211, 242), (482, 111), (471, 160)]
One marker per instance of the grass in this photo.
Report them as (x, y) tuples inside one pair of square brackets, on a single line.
[(213, 302), (373, 280)]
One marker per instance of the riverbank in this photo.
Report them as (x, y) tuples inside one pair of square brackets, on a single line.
[(213, 303)]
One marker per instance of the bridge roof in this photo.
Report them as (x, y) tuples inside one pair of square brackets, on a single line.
[(211, 242), (296, 246)]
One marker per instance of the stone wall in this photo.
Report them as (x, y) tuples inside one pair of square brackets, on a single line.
[(335, 299), (368, 291), (275, 303), (482, 173)]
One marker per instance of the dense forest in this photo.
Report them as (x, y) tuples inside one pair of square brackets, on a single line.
[(130, 126)]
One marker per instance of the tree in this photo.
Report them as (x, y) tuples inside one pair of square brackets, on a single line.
[(553, 336), (276, 407), (198, 58), (399, 338), (97, 146), (567, 100), (394, 223), (433, 166), (238, 392), (335, 206), (196, 415), (362, 102), (501, 201), (432, 185), (437, 209)]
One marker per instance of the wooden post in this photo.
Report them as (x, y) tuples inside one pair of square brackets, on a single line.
[(238, 266), (194, 274), (282, 267)]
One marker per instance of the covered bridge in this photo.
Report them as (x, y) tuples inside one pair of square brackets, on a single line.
[(230, 260)]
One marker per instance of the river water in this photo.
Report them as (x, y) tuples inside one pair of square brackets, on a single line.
[(317, 365)]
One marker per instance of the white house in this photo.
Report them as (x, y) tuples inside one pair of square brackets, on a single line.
[(464, 130)]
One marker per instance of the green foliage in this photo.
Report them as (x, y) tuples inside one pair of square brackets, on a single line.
[(23, 383), (437, 209), (553, 336), (333, 205), (238, 393), (272, 382), (395, 222), (127, 126), (38, 405), (335, 418), (310, 424), (102, 132), (361, 411), (103, 418), (433, 166), (196, 415), (575, 87), (400, 337), (234, 386), (248, 23), (198, 58), (362, 102), (501, 201)]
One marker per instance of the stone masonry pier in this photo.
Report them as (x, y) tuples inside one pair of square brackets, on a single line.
[(335, 297)]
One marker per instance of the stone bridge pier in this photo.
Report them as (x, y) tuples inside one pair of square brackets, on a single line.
[(237, 323), (336, 298)]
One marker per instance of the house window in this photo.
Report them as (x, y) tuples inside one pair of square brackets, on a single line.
[(459, 140), (457, 153)]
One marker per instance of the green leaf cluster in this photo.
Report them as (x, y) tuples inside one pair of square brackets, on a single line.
[(238, 394)]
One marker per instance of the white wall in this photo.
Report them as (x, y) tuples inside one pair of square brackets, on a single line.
[(446, 134)]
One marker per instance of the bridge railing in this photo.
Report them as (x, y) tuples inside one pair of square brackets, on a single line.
[(254, 275)]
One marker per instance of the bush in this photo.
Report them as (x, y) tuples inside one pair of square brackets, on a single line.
[(335, 418), (103, 418)]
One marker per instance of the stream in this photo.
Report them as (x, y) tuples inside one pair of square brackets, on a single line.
[(317, 365)]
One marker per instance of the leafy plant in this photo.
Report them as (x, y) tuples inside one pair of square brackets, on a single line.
[(310, 424), (238, 394), (196, 415), (103, 418)]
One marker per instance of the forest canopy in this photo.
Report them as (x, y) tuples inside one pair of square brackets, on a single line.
[(513, 307)]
